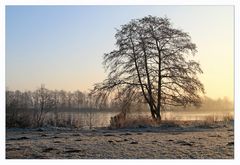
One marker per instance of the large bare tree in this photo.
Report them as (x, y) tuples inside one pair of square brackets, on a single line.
[(153, 63)]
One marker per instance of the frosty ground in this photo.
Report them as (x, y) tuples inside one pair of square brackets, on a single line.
[(163, 142)]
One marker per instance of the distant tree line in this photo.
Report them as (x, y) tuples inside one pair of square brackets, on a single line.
[(34, 105), (213, 105), (48, 99), (30, 108)]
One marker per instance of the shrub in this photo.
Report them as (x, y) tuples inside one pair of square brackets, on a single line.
[(131, 122), (21, 120)]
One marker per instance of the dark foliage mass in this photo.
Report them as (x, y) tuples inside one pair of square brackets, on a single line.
[(153, 64)]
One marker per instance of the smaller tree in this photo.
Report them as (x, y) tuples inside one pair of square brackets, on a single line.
[(43, 102), (79, 98)]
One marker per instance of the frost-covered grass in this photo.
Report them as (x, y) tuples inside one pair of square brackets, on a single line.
[(176, 140)]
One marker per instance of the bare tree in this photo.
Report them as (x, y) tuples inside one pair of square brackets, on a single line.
[(153, 62), (79, 98), (63, 99), (12, 104), (69, 100), (43, 102)]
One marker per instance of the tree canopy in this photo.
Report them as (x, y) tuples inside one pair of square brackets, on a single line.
[(152, 63)]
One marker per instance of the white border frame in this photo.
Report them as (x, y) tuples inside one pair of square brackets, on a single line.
[(235, 3)]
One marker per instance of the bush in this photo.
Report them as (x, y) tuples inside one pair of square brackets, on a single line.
[(131, 122), (21, 120)]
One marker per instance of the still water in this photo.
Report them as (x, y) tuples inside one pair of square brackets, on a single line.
[(102, 119)]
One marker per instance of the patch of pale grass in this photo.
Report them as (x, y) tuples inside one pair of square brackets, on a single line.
[(212, 119), (133, 122), (228, 117), (142, 122)]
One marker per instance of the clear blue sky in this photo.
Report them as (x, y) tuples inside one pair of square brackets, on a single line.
[(62, 46)]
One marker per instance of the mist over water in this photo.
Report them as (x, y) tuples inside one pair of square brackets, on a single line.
[(77, 110), (186, 116), (98, 119), (216, 110)]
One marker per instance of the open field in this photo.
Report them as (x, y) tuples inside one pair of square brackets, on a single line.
[(187, 141)]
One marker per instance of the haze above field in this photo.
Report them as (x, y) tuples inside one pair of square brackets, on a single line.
[(62, 46)]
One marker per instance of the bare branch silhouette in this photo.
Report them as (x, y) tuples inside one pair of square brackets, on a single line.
[(153, 61)]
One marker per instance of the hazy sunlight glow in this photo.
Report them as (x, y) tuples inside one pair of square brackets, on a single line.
[(62, 46)]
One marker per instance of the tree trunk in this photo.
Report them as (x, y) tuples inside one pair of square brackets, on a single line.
[(152, 113), (159, 82), (158, 114)]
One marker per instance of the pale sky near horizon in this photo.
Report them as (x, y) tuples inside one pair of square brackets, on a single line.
[(62, 46)]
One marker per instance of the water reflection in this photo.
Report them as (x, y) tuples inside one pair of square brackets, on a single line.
[(80, 119), (102, 119)]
